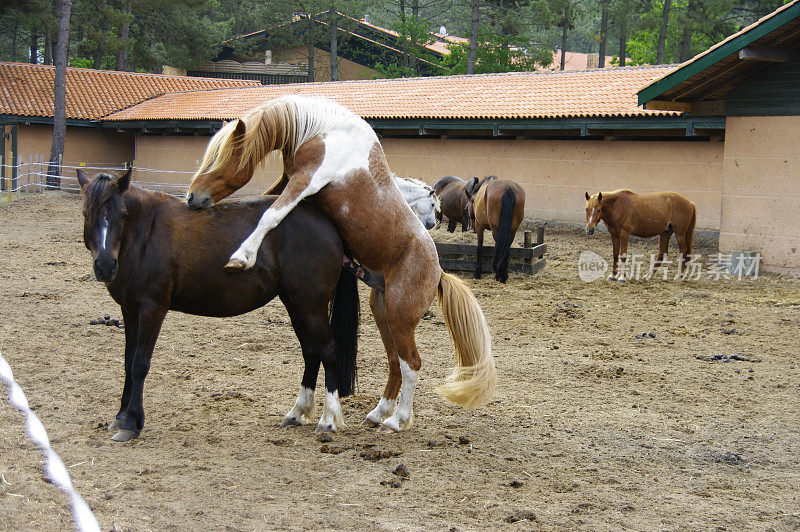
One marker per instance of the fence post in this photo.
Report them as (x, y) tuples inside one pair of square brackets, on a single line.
[(7, 170), (540, 235)]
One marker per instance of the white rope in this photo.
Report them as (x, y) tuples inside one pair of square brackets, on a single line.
[(54, 469)]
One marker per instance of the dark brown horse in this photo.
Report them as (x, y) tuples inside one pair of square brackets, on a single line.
[(450, 190), (155, 255), (497, 205), (646, 215)]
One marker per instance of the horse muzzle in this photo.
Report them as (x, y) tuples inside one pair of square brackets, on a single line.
[(105, 268), (590, 230), (198, 201)]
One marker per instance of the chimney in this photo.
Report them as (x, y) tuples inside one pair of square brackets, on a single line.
[(366, 18), (592, 60), (443, 31)]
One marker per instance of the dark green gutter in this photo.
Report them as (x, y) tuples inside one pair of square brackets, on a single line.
[(26, 120), (734, 45)]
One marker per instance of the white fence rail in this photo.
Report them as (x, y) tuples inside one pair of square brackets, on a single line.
[(30, 175)]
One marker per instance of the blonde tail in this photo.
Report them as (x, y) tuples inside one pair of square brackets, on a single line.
[(472, 381)]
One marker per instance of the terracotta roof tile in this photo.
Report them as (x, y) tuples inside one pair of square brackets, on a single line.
[(27, 90), (590, 93)]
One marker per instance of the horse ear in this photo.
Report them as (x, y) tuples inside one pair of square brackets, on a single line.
[(587, 196), (124, 180), (599, 196), (239, 130), (83, 179), (469, 188)]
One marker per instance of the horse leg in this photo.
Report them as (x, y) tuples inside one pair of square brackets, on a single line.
[(304, 407), (451, 225), (615, 255), (298, 187), (388, 402), (623, 253), (683, 253), (479, 261), (131, 320), (663, 246), (151, 317)]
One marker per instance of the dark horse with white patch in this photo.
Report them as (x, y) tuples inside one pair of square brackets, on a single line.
[(155, 255)]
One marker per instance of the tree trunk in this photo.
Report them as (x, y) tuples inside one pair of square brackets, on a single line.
[(601, 61), (688, 29), (63, 10), (48, 51), (333, 24), (34, 57), (311, 48), (14, 35), (623, 42), (122, 34), (473, 36), (662, 36), (565, 27), (97, 58)]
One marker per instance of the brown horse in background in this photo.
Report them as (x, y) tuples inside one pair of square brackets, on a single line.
[(645, 215), (498, 205), (450, 190)]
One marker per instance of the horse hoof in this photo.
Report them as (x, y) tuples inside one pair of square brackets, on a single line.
[(388, 428), (321, 429), (370, 423), (291, 421), (235, 265), (115, 425), (124, 435)]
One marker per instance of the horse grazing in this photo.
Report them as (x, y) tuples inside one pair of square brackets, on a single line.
[(646, 215), (334, 158), (497, 205), (155, 255), (450, 190)]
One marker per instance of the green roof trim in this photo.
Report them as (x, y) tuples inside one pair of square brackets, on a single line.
[(696, 66)]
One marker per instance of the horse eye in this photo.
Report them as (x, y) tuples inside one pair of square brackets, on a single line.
[(124, 214)]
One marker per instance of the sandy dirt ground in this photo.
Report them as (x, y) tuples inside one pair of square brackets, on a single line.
[(591, 427)]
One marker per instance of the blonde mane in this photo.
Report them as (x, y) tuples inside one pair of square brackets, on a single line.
[(283, 123)]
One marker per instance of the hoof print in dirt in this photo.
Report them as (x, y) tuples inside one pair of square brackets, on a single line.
[(325, 437), (515, 484), (523, 515), (463, 440)]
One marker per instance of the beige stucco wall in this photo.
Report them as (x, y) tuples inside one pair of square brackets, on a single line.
[(171, 160), (761, 190), (556, 173), (87, 145)]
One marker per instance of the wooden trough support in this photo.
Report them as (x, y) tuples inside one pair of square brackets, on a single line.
[(461, 257)]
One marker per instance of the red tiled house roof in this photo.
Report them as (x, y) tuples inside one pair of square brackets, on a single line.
[(27, 90), (590, 93)]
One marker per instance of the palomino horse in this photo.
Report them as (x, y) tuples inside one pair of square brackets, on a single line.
[(646, 215), (156, 255), (450, 190), (500, 206), (334, 158)]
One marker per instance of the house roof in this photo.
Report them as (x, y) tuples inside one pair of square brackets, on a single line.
[(607, 92), (710, 75), (27, 90)]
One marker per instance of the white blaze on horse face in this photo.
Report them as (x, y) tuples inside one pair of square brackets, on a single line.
[(303, 409), (591, 219), (404, 415), (332, 419), (103, 234)]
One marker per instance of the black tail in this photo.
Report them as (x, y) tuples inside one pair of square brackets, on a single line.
[(504, 236), (344, 323)]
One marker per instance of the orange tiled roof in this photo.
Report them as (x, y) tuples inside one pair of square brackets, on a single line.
[(27, 90), (589, 93)]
